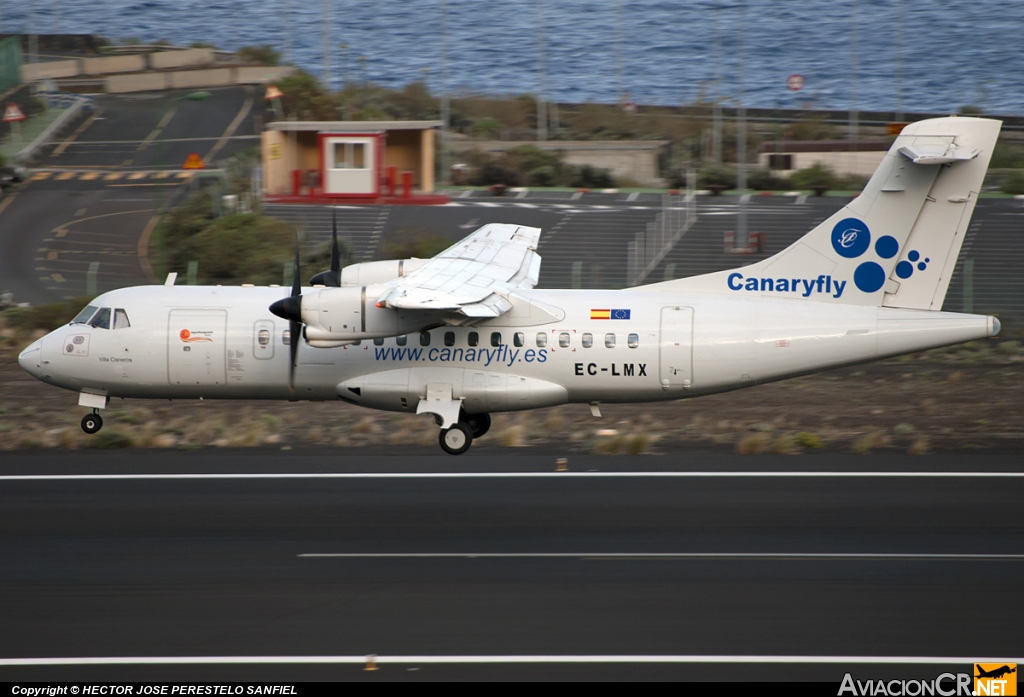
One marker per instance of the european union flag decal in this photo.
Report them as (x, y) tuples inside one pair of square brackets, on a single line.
[(620, 314)]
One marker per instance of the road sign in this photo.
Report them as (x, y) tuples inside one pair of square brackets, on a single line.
[(273, 92), (13, 113), (795, 82), (193, 161)]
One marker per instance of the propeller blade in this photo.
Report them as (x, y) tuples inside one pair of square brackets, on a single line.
[(332, 278), (293, 348)]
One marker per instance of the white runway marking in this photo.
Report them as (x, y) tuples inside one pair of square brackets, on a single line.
[(669, 556), (517, 475), (513, 659)]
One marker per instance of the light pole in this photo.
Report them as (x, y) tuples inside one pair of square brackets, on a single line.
[(741, 140), (445, 105)]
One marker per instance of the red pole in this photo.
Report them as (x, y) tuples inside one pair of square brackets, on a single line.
[(392, 178), (406, 184), (296, 181)]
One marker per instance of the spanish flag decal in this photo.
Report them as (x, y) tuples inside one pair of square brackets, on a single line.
[(609, 314)]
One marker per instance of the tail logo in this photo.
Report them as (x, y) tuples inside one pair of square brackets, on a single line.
[(850, 238)]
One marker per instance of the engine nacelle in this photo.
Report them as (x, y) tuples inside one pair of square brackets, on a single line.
[(334, 316), (373, 272)]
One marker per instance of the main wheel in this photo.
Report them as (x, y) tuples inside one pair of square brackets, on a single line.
[(92, 423), (479, 424), (457, 439)]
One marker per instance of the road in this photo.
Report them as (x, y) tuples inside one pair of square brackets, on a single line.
[(95, 189), (502, 556)]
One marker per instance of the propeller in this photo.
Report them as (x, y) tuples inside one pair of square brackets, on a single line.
[(332, 278), (290, 308)]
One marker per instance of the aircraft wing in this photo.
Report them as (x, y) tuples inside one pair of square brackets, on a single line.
[(472, 276)]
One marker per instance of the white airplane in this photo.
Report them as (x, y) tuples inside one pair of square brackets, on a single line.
[(465, 334)]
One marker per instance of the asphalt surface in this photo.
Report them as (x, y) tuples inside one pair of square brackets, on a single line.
[(542, 564), (94, 190)]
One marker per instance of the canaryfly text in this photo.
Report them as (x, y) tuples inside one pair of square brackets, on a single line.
[(825, 285)]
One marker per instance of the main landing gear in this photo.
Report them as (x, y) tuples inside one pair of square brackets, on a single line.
[(91, 423), (457, 439)]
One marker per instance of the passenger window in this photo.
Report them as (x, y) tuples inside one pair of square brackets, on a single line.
[(424, 338), (121, 320), (449, 338), (378, 342), (85, 315), (542, 339), (633, 341), (519, 339), (474, 339), (609, 341), (563, 339), (401, 340), (495, 338), (262, 336), (588, 340), (286, 337), (357, 342), (102, 319)]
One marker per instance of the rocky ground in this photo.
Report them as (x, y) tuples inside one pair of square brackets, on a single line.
[(967, 397)]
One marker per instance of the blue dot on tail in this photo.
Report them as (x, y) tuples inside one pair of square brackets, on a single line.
[(887, 246), (869, 277), (921, 266), (927, 260), (904, 269), (914, 255)]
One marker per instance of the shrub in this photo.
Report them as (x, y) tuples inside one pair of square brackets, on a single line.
[(306, 98), (765, 180), (264, 55), (806, 439), (716, 175), (110, 440), (1014, 183), (589, 177), (816, 175)]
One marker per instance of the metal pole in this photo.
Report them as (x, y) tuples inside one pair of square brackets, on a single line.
[(741, 139), (326, 32), (716, 131), (56, 16), (446, 168), (853, 70), (619, 85), (899, 60), (288, 58), (33, 38), (542, 121)]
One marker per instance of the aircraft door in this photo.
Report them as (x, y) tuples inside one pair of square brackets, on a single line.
[(676, 347), (196, 345)]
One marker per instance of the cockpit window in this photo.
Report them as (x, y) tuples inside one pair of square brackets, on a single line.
[(102, 319), (85, 315), (121, 320)]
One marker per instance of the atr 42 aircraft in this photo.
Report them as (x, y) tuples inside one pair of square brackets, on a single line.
[(465, 334)]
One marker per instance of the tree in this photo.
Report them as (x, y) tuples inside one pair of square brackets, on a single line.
[(306, 98)]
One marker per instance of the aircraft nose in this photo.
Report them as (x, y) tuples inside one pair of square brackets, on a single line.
[(31, 357)]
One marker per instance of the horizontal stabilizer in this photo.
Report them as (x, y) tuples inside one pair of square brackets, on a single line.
[(937, 154)]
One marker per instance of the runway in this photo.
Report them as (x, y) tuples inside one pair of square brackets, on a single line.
[(257, 565)]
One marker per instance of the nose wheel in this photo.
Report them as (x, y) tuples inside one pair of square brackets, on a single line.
[(91, 423), (457, 439)]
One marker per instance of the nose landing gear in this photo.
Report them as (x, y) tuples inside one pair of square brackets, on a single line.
[(91, 423)]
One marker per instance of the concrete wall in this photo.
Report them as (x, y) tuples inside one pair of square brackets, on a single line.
[(137, 82), (635, 160), (114, 64), (862, 163), (30, 72), (188, 79), (162, 60)]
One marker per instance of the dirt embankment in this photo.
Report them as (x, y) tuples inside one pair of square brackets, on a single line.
[(967, 397)]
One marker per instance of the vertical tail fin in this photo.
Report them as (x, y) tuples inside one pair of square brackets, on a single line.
[(897, 243)]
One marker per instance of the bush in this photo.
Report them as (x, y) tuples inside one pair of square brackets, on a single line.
[(264, 55), (420, 243), (588, 177), (1014, 183), (764, 180), (541, 176), (717, 175), (306, 98), (494, 172), (110, 440), (817, 175), (47, 317)]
